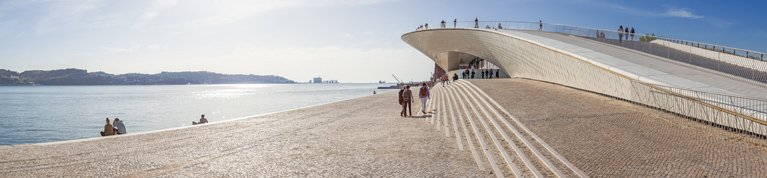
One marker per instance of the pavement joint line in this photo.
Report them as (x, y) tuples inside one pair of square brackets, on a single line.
[(455, 122), (436, 116), (514, 168), (485, 148), (535, 137), (470, 144), (518, 151), (444, 114)]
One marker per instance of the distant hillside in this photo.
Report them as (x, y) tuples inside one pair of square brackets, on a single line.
[(83, 77)]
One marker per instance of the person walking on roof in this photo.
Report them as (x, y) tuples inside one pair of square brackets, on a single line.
[(620, 34), (632, 33), (540, 25), (476, 22), (442, 24), (426, 26), (626, 32)]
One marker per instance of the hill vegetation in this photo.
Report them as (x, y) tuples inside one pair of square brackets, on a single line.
[(83, 77)]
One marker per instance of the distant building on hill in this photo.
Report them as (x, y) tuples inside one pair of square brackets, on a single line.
[(317, 80)]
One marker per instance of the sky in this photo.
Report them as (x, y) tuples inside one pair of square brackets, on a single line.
[(345, 40)]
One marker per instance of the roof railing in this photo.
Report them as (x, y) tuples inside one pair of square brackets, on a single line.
[(751, 54)]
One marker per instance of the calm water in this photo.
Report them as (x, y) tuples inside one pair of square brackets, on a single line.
[(33, 114)]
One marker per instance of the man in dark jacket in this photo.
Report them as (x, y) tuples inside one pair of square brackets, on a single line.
[(407, 99), (401, 100)]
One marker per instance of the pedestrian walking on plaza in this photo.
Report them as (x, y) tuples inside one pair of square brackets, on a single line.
[(496, 73), (476, 22), (407, 99), (620, 34), (423, 93), (455, 22), (632, 33), (442, 24), (472, 73), (401, 101), (490, 73), (540, 25)]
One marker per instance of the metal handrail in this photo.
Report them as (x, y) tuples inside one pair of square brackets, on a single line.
[(746, 53)]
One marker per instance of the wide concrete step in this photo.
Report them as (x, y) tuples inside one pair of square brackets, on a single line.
[(497, 141)]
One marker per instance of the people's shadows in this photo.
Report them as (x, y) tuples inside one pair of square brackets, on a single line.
[(421, 116)]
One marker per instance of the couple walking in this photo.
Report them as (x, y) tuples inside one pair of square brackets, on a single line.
[(406, 99)]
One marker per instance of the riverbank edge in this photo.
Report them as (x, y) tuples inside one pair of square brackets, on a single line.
[(189, 126)]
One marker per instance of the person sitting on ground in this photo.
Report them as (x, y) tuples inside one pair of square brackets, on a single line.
[(108, 129), (202, 120), (120, 126)]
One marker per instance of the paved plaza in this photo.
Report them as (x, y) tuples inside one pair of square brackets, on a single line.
[(606, 137)]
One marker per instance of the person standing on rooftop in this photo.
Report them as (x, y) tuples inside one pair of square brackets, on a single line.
[(632, 33), (476, 22), (626, 32), (499, 26), (426, 26), (442, 24), (455, 22), (540, 25), (620, 34)]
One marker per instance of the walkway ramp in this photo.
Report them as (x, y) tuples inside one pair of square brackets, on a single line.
[(663, 70)]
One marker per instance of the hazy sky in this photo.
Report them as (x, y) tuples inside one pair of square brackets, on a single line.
[(347, 40)]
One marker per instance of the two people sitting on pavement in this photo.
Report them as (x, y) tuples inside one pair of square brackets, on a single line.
[(117, 127)]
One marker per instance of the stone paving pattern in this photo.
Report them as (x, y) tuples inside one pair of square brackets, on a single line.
[(363, 137), (606, 137)]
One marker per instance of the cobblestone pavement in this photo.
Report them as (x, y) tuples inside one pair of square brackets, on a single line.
[(606, 137), (355, 138)]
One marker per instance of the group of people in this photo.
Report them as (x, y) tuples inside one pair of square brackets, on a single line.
[(443, 24), (115, 128), (406, 99), (484, 74), (625, 32)]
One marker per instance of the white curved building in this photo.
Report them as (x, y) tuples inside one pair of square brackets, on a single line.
[(613, 70)]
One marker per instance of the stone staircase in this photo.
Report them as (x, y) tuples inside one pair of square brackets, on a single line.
[(498, 142)]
